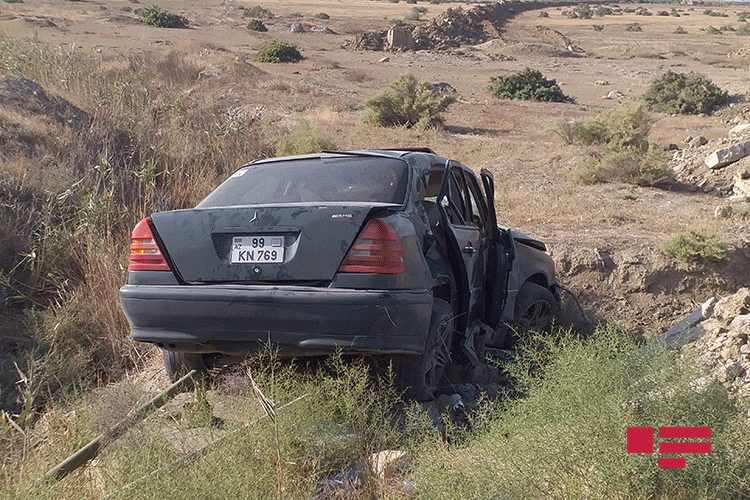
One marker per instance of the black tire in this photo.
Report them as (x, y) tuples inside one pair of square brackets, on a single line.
[(418, 376), (535, 308), (179, 363)]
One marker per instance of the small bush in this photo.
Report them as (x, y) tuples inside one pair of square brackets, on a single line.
[(679, 30), (694, 247), (322, 15), (597, 27), (625, 155), (543, 14), (304, 140), (711, 30), (712, 13), (743, 30), (663, 13), (278, 52), (684, 93), (155, 16), (633, 27), (259, 12), (582, 11), (256, 25), (407, 102), (603, 10), (526, 85)]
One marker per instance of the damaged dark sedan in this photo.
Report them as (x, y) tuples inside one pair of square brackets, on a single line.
[(395, 254)]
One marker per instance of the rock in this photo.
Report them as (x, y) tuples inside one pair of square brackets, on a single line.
[(399, 38), (28, 96), (723, 211), (697, 142), (41, 21), (739, 328), (385, 463), (602, 82), (730, 372), (740, 129), (297, 28), (384, 59), (443, 88), (209, 73), (723, 157), (738, 199), (741, 187), (735, 305)]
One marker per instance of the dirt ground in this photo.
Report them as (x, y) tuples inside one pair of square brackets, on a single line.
[(604, 237)]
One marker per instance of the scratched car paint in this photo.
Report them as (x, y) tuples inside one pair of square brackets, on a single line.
[(394, 254)]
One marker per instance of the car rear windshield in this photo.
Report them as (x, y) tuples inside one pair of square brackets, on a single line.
[(313, 180)]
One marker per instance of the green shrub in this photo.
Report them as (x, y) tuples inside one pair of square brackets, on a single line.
[(679, 30), (603, 10), (407, 102), (684, 93), (743, 30), (304, 140), (258, 11), (322, 15), (582, 11), (633, 27), (696, 248), (727, 27), (597, 27), (625, 155), (526, 85), (543, 14), (256, 25), (155, 16), (663, 13), (278, 52), (711, 30), (566, 438), (712, 13)]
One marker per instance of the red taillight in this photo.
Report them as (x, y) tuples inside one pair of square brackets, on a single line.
[(377, 250), (145, 254)]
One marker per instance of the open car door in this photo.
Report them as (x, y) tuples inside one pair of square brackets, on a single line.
[(501, 253)]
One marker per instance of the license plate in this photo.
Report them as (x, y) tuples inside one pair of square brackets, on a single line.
[(256, 249)]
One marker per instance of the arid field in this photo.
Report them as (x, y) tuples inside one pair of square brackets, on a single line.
[(167, 114)]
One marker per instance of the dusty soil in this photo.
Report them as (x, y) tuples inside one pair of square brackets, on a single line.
[(604, 237)]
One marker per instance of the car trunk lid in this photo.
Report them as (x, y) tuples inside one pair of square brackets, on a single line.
[(261, 244)]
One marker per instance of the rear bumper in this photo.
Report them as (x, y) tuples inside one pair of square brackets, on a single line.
[(300, 321)]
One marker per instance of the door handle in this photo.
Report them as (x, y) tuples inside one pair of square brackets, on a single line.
[(469, 250)]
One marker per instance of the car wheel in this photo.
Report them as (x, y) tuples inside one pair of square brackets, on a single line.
[(419, 376), (179, 363), (535, 308)]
